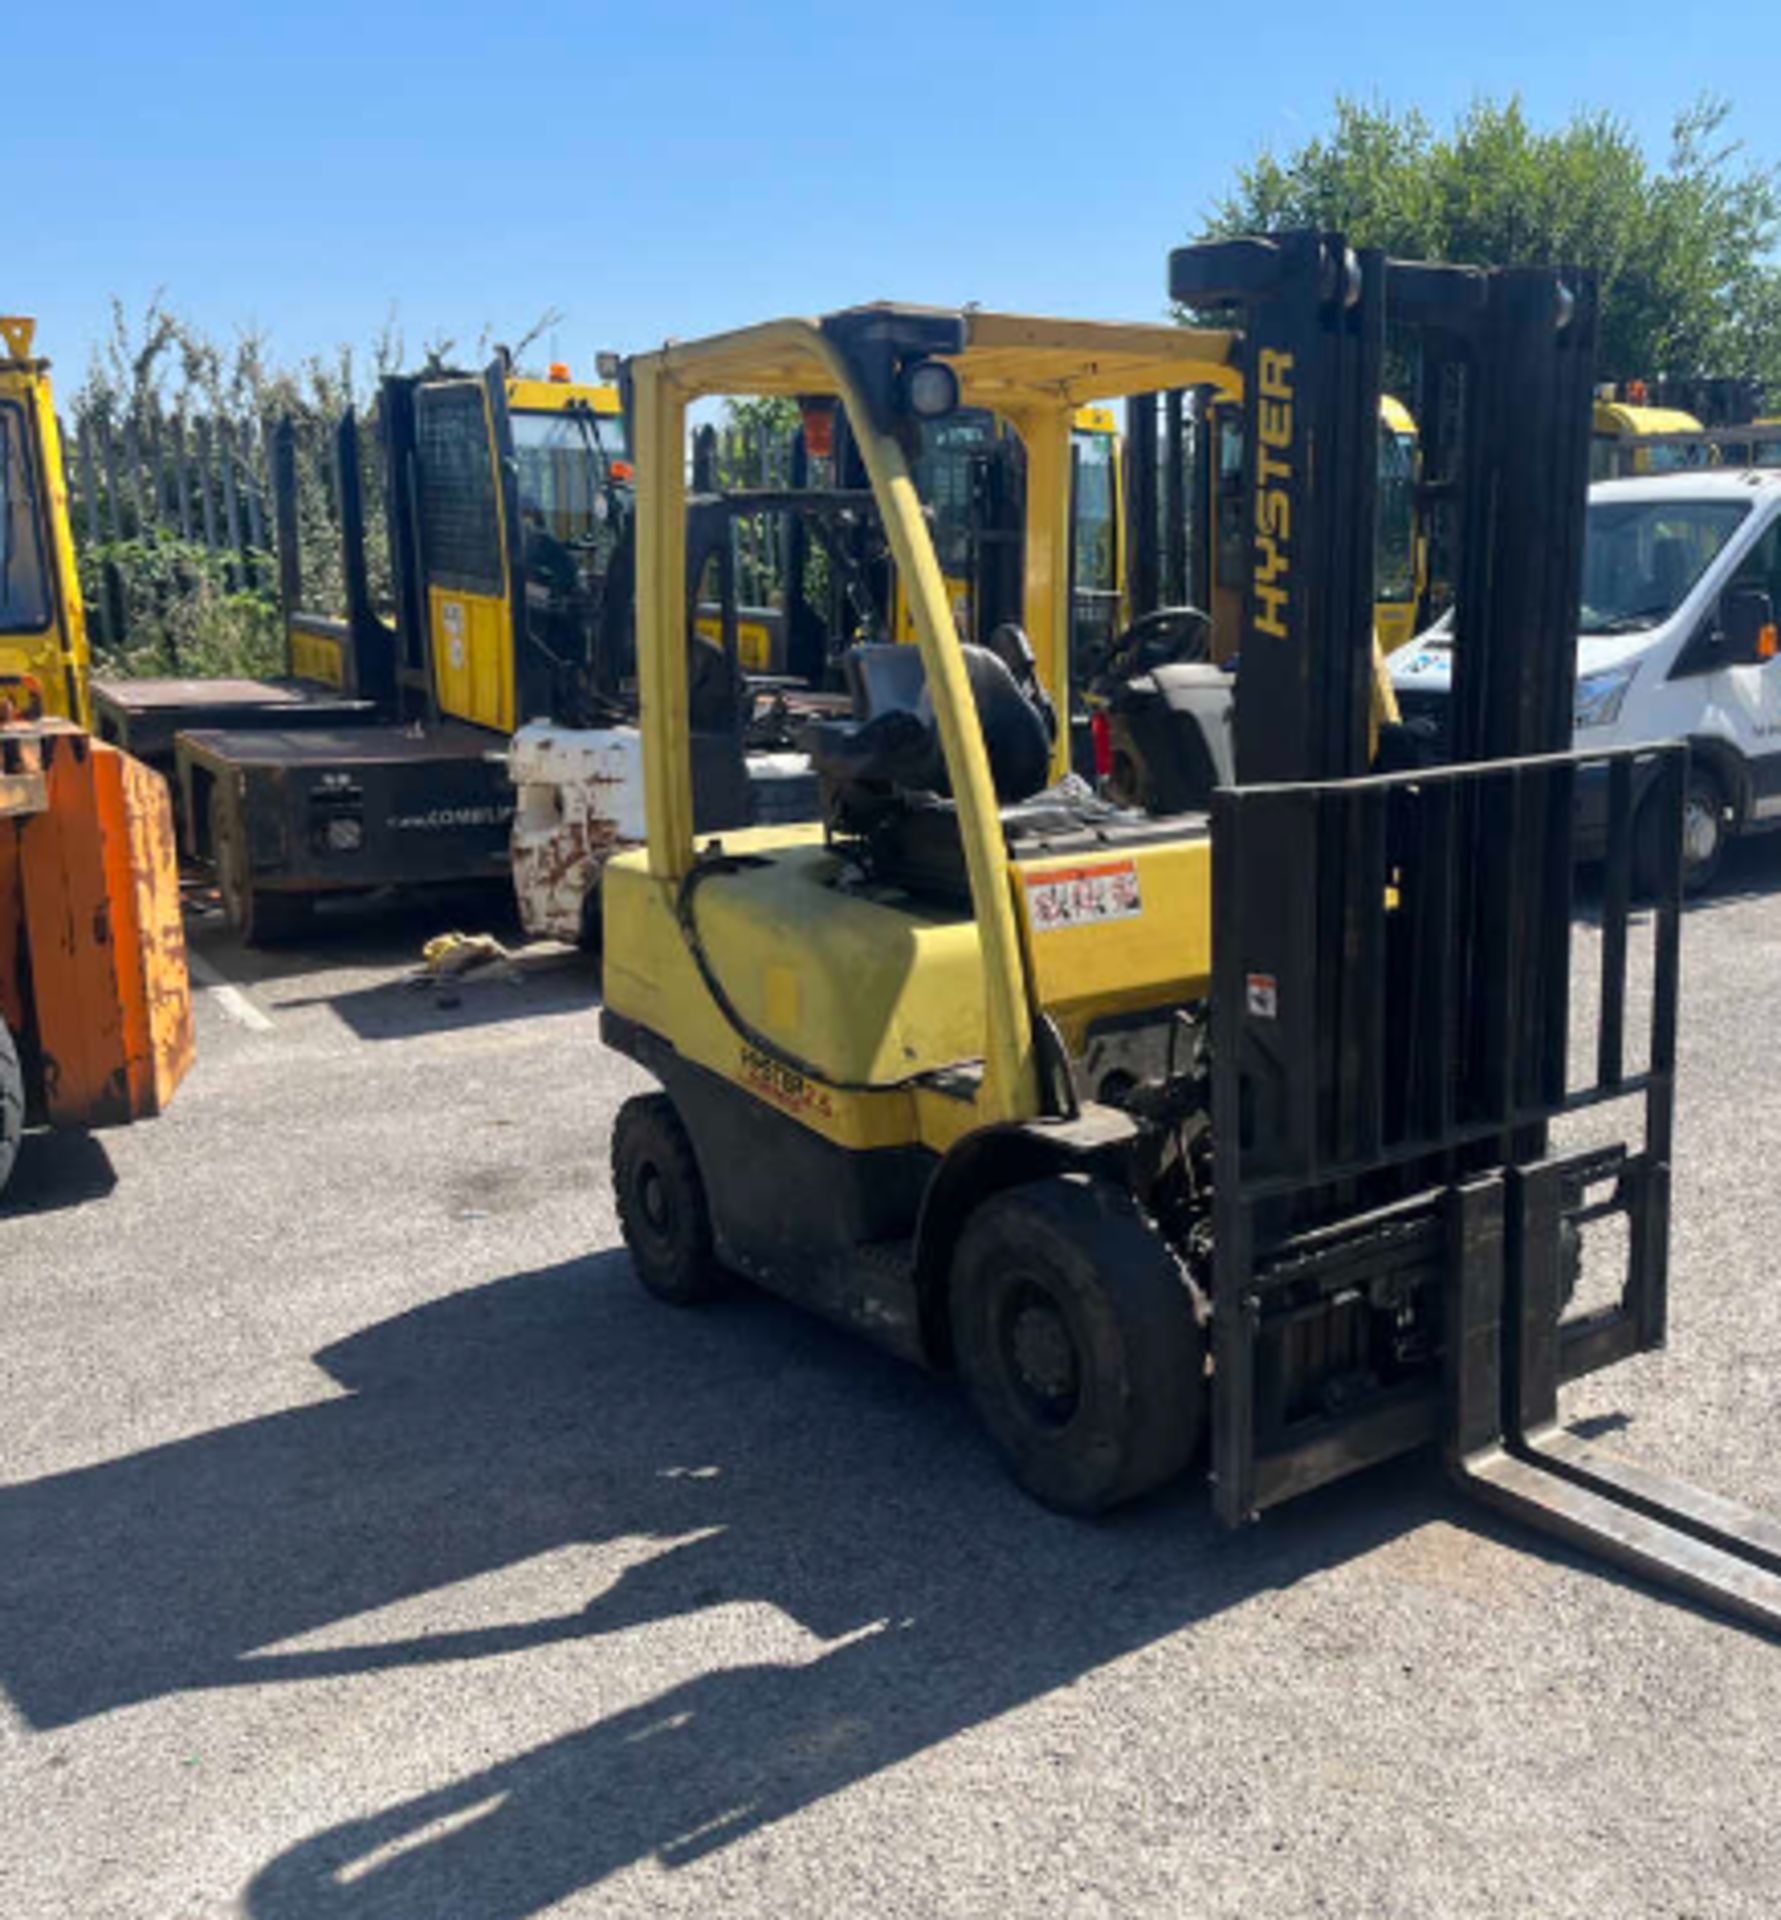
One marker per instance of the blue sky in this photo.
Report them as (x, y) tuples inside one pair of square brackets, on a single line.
[(670, 167)]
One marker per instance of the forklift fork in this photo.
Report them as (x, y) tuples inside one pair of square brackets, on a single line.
[(1504, 1442)]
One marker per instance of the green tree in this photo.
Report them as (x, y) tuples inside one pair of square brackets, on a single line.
[(1685, 250)]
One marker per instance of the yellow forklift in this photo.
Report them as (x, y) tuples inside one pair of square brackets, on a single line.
[(502, 500), (1102, 1110), (95, 1006)]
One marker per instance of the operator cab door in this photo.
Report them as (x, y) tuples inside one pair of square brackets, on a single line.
[(40, 636), (465, 562)]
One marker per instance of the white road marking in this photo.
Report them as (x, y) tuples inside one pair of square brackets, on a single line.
[(227, 995)]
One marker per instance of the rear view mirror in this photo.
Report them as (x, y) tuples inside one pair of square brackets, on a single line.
[(1747, 621)]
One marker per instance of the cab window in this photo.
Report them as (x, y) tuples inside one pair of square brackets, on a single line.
[(460, 526), (570, 517), (564, 461), (1394, 540), (944, 479), (1096, 533), (24, 583)]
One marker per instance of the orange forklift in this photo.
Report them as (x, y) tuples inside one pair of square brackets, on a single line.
[(95, 1007)]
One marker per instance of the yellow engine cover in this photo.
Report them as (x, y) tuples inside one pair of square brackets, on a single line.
[(845, 998)]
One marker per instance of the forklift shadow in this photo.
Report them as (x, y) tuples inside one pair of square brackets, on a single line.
[(58, 1168), (765, 1459)]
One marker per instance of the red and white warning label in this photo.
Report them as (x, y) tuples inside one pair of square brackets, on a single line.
[(1080, 896)]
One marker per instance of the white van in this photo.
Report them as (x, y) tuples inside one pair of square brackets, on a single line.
[(1677, 641)]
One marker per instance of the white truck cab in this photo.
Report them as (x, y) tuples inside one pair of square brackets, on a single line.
[(1677, 641)]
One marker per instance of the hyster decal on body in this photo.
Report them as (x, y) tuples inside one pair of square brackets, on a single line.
[(1273, 504), (785, 1086)]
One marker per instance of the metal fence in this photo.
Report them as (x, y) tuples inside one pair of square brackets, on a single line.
[(152, 493)]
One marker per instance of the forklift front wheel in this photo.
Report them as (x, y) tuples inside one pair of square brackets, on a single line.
[(12, 1104), (662, 1210), (1078, 1338)]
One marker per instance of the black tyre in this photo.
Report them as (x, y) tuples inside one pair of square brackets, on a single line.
[(1706, 827), (12, 1104), (662, 1210), (592, 936), (1080, 1342)]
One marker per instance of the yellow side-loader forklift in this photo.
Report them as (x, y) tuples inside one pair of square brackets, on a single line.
[(1102, 1110), (499, 496), (95, 1007)]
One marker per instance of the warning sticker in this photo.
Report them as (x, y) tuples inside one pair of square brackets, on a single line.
[(451, 618), (1077, 896)]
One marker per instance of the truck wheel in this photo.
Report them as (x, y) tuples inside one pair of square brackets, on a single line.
[(1079, 1341), (662, 1210), (1704, 836), (260, 918), (12, 1104)]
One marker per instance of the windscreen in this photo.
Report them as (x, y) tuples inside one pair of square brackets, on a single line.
[(1641, 558), (564, 459), (24, 584)]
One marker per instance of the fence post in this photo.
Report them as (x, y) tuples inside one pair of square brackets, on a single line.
[(204, 492), (281, 459), (251, 487), (157, 441), (133, 468), (108, 458), (225, 441), (111, 582), (182, 474), (89, 487)]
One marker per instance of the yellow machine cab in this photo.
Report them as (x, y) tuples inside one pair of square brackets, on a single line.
[(43, 633)]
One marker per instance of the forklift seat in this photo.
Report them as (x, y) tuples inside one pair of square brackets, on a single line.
[(893, 741), (884, 778)]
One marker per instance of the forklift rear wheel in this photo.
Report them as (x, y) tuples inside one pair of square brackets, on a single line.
[(662, 1210), (12, 1104), (259, 917), (1077, 1335)]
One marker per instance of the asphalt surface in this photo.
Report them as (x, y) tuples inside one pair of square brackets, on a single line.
[(371, 1546)]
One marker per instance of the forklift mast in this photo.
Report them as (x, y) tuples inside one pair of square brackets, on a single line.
[(1360, 1162)]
